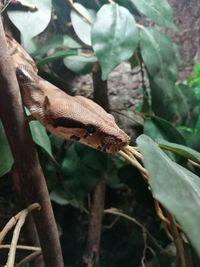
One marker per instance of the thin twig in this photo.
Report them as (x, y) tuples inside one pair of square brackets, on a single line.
[(181, 260), (112, 223), (119, 213), (135, 163), (194, 163), (28, 258), (20, 223), (5, 6), (146, 247), (11, 223), (79, 12), (159, 212), (164, 220), (134, 152), (21, 247)]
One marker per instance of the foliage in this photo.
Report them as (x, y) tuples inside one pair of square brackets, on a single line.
[(194, 83), (109, 33), (176, 188)]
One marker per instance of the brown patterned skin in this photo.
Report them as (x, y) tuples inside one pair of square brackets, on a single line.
[(19, 55), (69, 117)]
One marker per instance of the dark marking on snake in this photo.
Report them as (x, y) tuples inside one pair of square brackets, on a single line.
[(75, 138), (67, 123)]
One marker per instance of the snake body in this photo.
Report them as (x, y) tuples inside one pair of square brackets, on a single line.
[(69, 117)]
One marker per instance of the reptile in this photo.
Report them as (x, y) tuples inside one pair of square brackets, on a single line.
[(69, 117)]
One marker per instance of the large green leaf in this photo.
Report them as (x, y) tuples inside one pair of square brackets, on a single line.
[(159, 54), (114, 36), (188, 108), (81, 167), (176, 188), (171, 103), (150, 51), (6, 158), (40, 136), (158, 11), (82, 20), (80, 64), (31, 24), (80, 174), (158, 128), (161, 59)]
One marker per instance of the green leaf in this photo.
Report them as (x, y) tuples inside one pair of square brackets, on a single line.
[(196, 91), (114, 36), (158, 128), (82, 166), (159, 54), (58, 198), (6, 158), (197, 68), (188, 108), (161, 59), (82, 20), (193, 139), (176, 188), (80, 64), (158, 11), (62, 196), (181, 150), (80, 174), (40, 136), (28, 44), (172, 102), (31, 24), (150, 51)]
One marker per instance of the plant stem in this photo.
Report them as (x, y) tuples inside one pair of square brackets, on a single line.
[(100, 88), (96, 213), (91, 257)]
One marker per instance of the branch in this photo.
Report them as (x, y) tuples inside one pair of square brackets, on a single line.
[(31, 179), (100, 88), (11, 223), (91, 257)]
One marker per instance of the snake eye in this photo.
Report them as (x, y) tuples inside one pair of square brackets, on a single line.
[(90, 129)]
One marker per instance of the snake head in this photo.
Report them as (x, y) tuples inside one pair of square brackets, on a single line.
[(85, 121)]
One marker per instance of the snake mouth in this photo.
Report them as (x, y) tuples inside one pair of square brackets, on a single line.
[(111, 148)]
